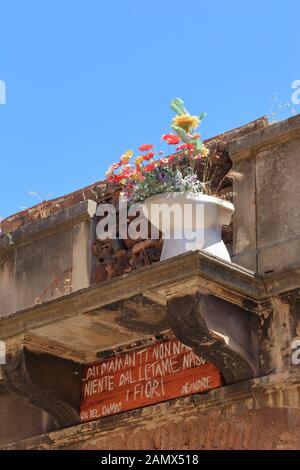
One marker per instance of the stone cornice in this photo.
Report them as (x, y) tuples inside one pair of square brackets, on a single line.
[(169, 278), (267, 137), (64, 218), (182, 273)]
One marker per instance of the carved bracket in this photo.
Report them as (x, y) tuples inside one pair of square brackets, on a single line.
[(47, 382), (222, 333)]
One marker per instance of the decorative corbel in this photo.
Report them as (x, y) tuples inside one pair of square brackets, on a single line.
[(47, 382), (223, 333)]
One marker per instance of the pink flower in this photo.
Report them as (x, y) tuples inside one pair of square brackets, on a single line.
[(164, 161)]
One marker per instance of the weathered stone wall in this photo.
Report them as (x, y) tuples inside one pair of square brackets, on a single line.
[(252, 415), (257, 429), (48, 258), (267, 213), (19, 420)]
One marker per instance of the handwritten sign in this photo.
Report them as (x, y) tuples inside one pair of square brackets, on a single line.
[(150, 375)]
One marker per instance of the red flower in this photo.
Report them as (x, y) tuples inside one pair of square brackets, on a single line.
[(185, 147), (145, 147), (148, 156), (114, 178), (150, 167), (171, 139)]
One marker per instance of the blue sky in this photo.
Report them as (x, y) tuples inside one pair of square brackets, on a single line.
[(87, 79)]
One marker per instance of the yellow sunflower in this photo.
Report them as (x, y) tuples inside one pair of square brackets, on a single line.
[(186, 121), (139, 160), (204, 151), (126, 156)]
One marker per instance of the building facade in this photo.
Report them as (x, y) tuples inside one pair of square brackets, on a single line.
[(206, 353)]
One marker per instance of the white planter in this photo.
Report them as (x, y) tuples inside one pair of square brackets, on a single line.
[(184, 230)]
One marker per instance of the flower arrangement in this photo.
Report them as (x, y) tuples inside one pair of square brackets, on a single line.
[(152, 173)]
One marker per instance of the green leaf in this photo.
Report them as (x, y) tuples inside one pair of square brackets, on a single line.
[(182, 134), (177, 106), (198, 144)]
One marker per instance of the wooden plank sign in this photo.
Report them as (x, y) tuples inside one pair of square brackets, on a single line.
[(143, 377)]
